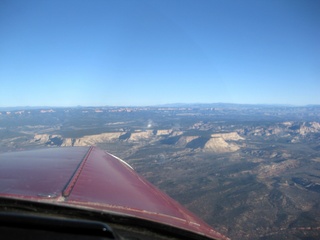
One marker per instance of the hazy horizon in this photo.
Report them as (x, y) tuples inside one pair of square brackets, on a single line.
[(157, 105)]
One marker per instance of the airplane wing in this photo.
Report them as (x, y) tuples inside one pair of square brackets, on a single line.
[(76, 184)]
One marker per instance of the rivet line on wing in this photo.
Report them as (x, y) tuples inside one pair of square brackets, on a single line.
[(68, 188)]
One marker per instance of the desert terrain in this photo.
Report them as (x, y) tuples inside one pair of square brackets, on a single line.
[(250, 171)]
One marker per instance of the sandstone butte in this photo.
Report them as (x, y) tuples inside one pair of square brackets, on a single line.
[(218, 142)]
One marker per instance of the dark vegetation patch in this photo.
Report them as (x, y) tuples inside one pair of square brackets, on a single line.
[(198, 142), (170, 140), (125, 136), (55, 141)]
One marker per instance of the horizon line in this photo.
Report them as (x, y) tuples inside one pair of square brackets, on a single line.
[(177, 105)]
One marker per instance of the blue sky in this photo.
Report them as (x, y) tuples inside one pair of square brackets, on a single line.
[(147, 52)]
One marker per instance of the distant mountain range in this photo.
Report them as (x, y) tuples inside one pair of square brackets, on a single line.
[(169, 105), (222, 105)]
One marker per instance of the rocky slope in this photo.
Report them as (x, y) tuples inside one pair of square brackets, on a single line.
[(219, 143)]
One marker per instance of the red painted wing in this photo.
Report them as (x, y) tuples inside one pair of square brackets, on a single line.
[(90, 178)]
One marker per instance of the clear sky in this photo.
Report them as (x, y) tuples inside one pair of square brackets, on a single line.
[(147, 52)]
